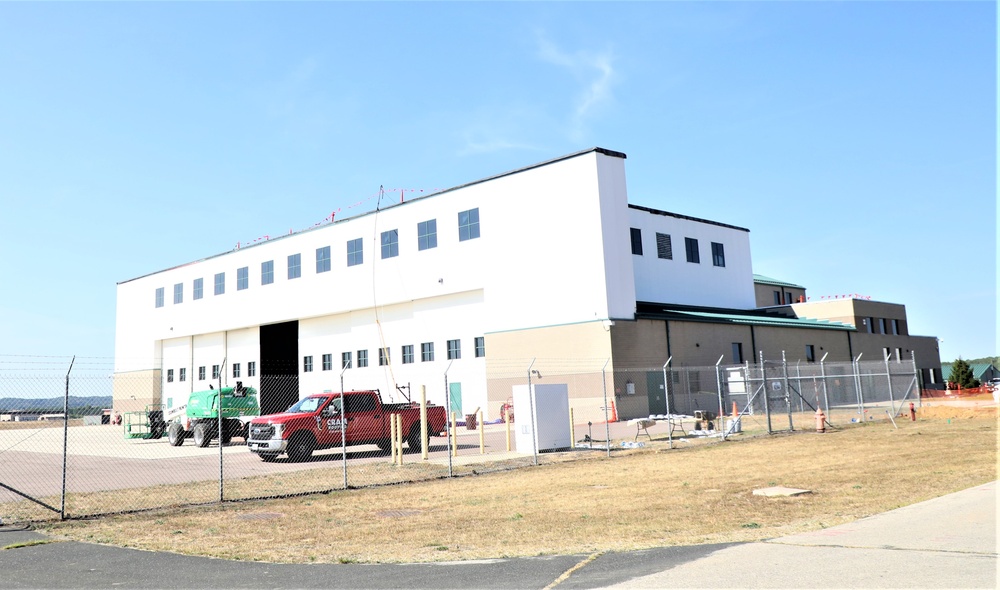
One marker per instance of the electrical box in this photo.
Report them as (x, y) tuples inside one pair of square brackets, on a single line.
[(545, 422)]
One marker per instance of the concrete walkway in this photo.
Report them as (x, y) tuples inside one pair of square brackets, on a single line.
[(947, 542)]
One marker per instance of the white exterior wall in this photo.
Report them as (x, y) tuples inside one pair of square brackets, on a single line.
[(553, 249), (681, 282)]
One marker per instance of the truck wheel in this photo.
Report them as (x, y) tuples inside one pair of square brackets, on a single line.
[(384, 444), (268, 457), (227, 431), (202, 435), (413, 440), (300, 447), (175, 434)]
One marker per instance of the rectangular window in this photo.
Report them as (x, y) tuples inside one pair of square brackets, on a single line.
[(201, 373), (454, 349), (251, 369), (718, 254), (383, 357), (777, 297), (220, 283), (294, 266), (427, 234), (664, 248), (170, 375), (788, 297), (307, 364), (267, 272), (345, 360), (899, 356), (362, 358), (691, 247), (407, 354), (426, 352), (323, 259), (355, 252), (242, 278), (636, 235), (236, 369), (886, 354), (215, 372), (882, 328), (810, 353), (480, 347), (737, 352), (182, 374), (178, 293), (199, 288), (159, 297), (327, 362), (390, 243), (871, 326), (468, 225)]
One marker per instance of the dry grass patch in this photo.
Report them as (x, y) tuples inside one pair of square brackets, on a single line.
[(645, 499)]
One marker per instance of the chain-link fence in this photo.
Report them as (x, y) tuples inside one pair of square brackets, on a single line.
[(77, 439)]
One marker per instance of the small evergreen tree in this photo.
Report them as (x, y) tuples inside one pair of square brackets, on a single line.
[(961, 375)]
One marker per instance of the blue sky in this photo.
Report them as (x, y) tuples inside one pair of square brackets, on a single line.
[(856, 140)]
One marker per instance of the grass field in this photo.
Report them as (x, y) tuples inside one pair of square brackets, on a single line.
[(646, 498)]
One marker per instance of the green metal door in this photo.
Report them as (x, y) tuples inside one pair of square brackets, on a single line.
[(656, 392), (455, 392)]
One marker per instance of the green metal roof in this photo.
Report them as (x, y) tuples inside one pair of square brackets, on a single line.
[(761, 279), (978, 369), (754, 320)]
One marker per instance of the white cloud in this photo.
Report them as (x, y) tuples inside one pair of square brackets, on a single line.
[(596, 73)]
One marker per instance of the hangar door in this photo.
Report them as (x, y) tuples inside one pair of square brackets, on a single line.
[(279, 369)]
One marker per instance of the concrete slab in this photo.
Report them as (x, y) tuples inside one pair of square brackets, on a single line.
[(780, 491)]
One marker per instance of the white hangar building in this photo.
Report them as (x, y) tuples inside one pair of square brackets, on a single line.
[(548, 262)]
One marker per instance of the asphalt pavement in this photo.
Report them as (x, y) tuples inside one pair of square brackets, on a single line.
[(946, 542)]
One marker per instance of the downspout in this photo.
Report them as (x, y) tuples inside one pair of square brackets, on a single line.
[(753, 342), (666, 325)]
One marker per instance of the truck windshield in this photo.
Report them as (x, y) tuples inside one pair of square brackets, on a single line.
[(307, 405)]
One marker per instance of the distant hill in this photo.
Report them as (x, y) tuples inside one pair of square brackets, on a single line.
[(54, 404)]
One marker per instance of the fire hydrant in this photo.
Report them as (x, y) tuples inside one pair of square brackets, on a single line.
[(913, 413), (820, 420)]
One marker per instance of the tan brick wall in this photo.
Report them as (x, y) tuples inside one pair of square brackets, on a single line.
[(573, 354), (133, 391)]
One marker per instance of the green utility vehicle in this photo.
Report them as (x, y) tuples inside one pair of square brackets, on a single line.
[(199, 417)]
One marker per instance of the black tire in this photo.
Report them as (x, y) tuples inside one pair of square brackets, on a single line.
[(301, 446), (414, 439), (175, 434), (156, 431), (228, 428), (268, 457), (202, 435), (384, 444)]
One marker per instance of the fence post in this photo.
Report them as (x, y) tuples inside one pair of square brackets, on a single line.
[(448, 418), (343, 422), (763, 385), (826, 399), (607, 427), (531, 416), (888, 376), (218, 433), (788, 399), (666, 392), (721, 419), (918, 377), (62, 506), (857, 384)]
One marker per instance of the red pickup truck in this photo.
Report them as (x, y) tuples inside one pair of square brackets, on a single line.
[(315, 423)]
